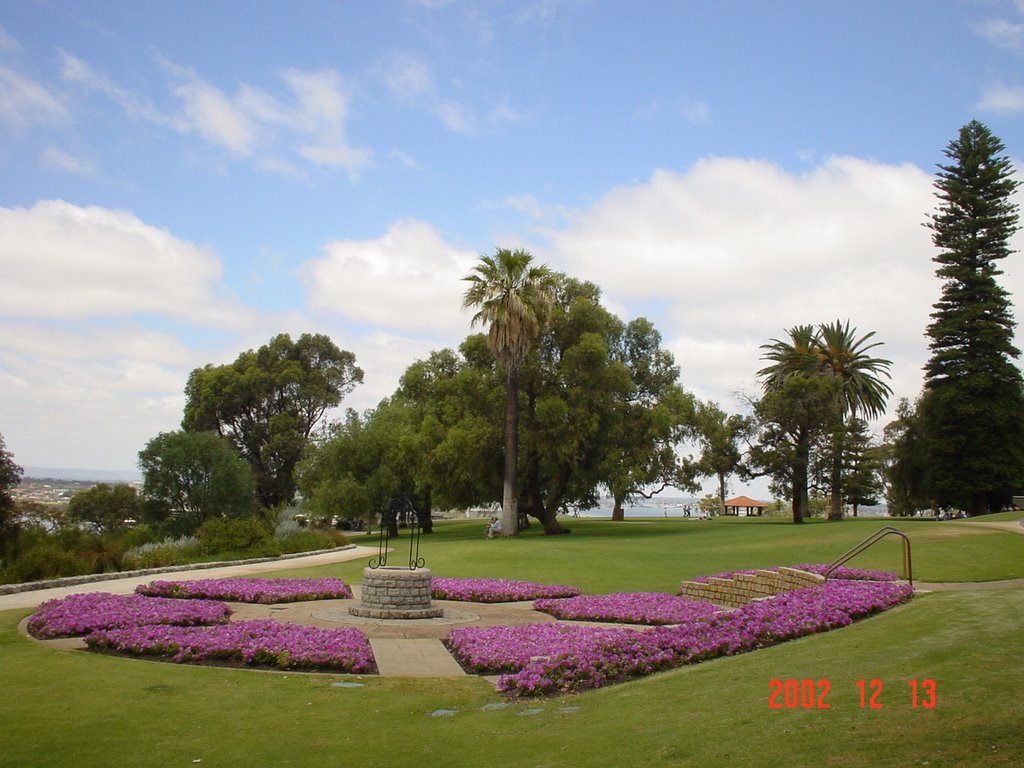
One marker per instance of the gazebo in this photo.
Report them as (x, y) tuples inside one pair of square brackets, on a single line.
[(751, 507)]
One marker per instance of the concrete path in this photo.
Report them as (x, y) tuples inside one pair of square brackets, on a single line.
[(126, 585)]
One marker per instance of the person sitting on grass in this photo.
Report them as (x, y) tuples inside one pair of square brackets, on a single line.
[(494, 529)]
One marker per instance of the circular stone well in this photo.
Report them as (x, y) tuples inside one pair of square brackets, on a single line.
[(396, 593)]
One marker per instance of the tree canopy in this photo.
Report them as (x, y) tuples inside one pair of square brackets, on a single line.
[(190, 477), (268, 403), (816, 362), (600, 408), (10, 476), (105, 507)]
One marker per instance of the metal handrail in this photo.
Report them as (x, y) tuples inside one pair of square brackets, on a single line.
[(881, 533)]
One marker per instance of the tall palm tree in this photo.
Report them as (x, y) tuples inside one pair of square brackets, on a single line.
[(862, 393), (513, 297), (832, 350)]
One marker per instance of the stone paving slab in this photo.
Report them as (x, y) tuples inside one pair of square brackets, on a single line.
[(399, 657)]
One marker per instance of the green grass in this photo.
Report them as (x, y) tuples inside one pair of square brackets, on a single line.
[(657, 554), (71, 708)]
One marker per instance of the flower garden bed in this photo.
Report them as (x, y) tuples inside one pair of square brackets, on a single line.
[(245, 590), (81, 614), (197, 629), (628, 608), (496, 590), (538, 660), (259, 642), (535, 659)]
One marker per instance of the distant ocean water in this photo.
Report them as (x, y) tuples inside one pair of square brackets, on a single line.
[(82, 475), (677, 512), (642, 511)]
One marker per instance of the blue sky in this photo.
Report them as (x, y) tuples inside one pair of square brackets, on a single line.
[(182, 181)]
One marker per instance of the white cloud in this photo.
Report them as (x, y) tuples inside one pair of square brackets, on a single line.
[(77, 72), (1003, 33), (8, 43), (695, 112), (384, 357), (408, 77), (215, 117), (88, 396), (405, 159), (307, 120), (732, 252), (1003, 98), (63, 161), (24, 102), (411, 80), (409, 279), (64, 261)]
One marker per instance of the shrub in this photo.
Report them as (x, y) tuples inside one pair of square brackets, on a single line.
[(184, 549), (306, 540), (219, 535), (44, 559)]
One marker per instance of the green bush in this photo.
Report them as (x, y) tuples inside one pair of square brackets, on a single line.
[(44, 559), (307, 540), (180, 551), (219, 535)]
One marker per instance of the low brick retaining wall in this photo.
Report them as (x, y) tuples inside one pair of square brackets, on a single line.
[(746, 587)]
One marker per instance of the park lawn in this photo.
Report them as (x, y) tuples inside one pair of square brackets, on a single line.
[(602, 556), (75, 708)]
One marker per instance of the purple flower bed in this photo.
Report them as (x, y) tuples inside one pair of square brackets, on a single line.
[(83, 613), (510, 649), (545, 659), (628, 607), (244, 590), (842, 572), (256, 642), (496, 590)]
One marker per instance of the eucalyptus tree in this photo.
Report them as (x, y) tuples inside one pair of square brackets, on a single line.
[(269, 402), (512, 296), (10, 476), (791, 417), (719, 435), (654, 416), (190, 477)]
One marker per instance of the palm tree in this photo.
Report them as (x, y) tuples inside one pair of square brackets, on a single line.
[(861, 390), (832, 350), (513, 296)]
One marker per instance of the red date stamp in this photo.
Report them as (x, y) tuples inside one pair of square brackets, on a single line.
[(813, 694)]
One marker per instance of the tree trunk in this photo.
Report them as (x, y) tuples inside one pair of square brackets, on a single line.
[(618, 512), (509, 500), (800, 462), (979, 504), (721, 494), (835, 510), (549, 519)]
